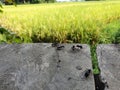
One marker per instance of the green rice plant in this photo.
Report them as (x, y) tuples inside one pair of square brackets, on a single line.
[(110, 33), (117, 37), (63, 22), (1, 7)]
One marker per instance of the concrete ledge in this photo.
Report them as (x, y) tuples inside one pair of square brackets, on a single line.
[(109, 63), (43, 67)]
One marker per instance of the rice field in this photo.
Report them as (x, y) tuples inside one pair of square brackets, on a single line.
[(80, 22)]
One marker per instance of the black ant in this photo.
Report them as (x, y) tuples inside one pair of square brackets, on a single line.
[(58, 64), (87, 73), (55, 44), (60, 47), (103, 80), (73, 48), (80, 46), (77, 47)]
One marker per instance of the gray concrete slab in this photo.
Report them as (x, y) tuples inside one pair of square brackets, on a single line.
[(68, 76), (42, 67), (109, 63)]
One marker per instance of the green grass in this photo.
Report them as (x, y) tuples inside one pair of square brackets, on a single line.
[(76, 22)]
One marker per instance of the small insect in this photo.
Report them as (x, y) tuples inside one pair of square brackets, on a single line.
[(86, 73), (103, 80), (80, 46), (77, 47), (55, 44), (73, 47), (58, 64), (60, 47), (106, 85)]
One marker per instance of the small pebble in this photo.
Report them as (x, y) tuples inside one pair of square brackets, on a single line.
[(78, 67), (59, 61), (58, 66), (69, 78)]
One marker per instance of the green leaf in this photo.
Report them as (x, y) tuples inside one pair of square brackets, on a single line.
[(2, 38), (96, 71)]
